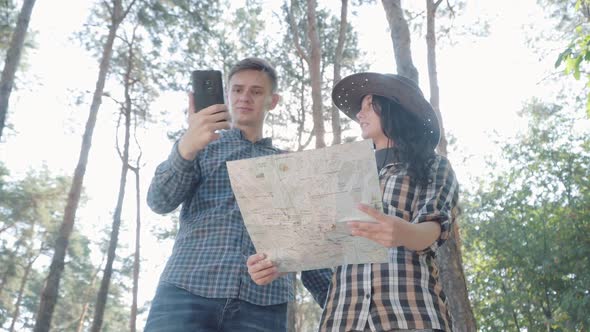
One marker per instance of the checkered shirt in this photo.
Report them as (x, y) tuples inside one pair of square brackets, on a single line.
[(212, 244), (404, 293)]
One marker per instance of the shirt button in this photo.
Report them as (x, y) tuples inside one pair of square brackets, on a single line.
[(367, 296)]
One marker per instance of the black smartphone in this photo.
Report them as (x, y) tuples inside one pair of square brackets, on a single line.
[(207, 88)]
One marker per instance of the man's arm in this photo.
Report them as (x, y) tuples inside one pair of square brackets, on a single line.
[(317, 283), (177, 176), (173, 181)]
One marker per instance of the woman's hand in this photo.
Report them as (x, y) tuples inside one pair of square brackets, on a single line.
[(385, 230), (392, 231), (262, 270)]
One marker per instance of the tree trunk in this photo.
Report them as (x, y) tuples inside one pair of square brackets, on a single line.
[(400, 36), (304, 58), (449, 259), (301, 115), (448, 256), (431, 8), (51, 287), (336, 126), (87, 295), (511, 308), (12, 58), (315, 75), (8, 271), (103, 291), (292, 311), (453, 280), (136, 256), (21, 291), (101, 299), (81, 318), (3, 280)]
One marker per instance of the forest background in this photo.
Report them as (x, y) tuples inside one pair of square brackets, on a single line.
[(98, 94)]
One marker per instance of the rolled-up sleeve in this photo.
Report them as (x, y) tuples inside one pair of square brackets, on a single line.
[(174, 180), (438, 202)]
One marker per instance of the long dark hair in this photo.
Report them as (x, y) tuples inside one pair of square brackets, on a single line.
[(409, 135)]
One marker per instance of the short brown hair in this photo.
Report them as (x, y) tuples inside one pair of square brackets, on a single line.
[(256, 64)]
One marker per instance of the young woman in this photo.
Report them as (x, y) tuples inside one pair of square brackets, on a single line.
[(420, 195)]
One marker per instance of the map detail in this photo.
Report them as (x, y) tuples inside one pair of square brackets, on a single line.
[(296, 205)]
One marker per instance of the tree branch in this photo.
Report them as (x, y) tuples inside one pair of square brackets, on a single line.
[(448, 5), (304, 145), (293, 27), (126, 11)]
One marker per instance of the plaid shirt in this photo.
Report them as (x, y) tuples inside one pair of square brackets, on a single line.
[(212, 244), (405, 293)]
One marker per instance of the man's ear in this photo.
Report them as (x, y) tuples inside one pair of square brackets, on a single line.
[(275, 98)]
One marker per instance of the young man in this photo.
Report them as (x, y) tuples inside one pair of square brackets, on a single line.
[(205, 285)]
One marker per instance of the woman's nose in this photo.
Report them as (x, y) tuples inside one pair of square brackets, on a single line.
[(360, 114)]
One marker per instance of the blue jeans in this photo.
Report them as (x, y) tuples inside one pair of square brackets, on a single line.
[(177, 310)]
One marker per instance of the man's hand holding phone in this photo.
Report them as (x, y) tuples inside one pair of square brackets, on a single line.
[(202, 127), (206, 113)]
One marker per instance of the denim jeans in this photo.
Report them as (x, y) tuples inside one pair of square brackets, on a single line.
[(177, 310)]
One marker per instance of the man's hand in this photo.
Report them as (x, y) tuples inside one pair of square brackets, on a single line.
[(201, 128), (262, 270)]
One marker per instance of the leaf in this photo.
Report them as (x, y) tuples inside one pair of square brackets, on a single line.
[(559, 60), (562, 56), (569, 65), (577, 62)]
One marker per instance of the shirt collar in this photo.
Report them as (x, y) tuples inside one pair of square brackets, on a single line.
[(238, 134), (385, 157)]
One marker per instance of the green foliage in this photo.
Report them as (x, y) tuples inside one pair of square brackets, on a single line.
[(525, 230), (182, 37), (9, 11), (576, 56), (295, 107), (31, 210), (8, 15), (447, 15)]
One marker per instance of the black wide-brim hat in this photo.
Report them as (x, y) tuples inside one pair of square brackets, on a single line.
[(348, 94)]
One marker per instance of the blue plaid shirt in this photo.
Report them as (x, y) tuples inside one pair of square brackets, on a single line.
[(212, 244)]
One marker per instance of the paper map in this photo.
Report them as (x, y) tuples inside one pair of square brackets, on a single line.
[(295, 205)]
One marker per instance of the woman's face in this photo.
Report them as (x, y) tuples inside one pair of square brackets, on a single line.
[(371, 123)]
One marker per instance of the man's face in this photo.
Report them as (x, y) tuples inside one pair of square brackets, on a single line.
[(250, 97)]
